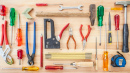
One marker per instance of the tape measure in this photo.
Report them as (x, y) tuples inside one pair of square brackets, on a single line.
[(118, 60)]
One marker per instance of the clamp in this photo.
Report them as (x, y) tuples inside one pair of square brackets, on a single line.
[(71, 36), (30, 58), (5, 53), (84, 39)]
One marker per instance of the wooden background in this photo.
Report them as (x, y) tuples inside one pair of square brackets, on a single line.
[(75, 22)]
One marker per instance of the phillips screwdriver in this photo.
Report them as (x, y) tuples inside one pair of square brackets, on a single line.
[(12, 21), (19, 54), (105, 55), (58, 67), (117, 19), (30, 68), (109, 32), (19, 34), (78, 64), (46, 4), (2, 11), (100, 14)]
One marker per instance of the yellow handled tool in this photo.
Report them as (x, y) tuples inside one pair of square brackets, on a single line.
[(105, 55), (30, 68)]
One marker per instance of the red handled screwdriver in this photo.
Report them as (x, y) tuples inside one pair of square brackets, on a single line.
[(45, 4), (117, 19), (2, 11), (58, 67), (19, 54)]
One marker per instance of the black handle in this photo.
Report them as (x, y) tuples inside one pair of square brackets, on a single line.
[(125, 48)]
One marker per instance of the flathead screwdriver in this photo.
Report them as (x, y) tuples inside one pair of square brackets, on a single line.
[(117, 19), (46, 4), (19, 54)]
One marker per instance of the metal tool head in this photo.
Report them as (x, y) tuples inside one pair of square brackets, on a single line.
[(84, 43), (92, 10), (70, 31), (125, 3)]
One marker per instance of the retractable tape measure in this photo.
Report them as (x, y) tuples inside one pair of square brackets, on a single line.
[(118, 60)]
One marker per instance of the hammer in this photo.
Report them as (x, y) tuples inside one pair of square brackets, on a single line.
[(91, 14), (125, 48)]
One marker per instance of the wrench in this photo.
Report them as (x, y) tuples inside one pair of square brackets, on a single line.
[(78, 7)]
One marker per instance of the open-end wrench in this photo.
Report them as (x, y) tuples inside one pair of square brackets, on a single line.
[(78, 7)]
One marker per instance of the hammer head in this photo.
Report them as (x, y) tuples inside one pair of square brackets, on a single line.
[(125, 3), (92, 10)]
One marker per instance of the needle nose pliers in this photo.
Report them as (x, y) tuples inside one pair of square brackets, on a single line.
[(84, 39), (31, 58), (71, 36), (5, 53)]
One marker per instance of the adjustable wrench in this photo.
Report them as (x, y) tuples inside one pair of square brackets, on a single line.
[(78, 7)]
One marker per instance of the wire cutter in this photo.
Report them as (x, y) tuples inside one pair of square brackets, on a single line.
[(71, 36), (84, 39), (5, 53), (30, 58)]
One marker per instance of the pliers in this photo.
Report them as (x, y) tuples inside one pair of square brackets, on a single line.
[(31, 58), (84, 39), (71, 36), (5, 53)]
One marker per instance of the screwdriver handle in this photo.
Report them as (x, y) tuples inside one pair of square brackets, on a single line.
[(41, 4), (100, 14), (31, 68), (54, 67), (109, 37), (84, 64), (117, 20), (116, 8), (125, 48), (105, 61), (19, 37)]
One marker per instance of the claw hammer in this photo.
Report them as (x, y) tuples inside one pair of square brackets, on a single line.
[(125, 47)]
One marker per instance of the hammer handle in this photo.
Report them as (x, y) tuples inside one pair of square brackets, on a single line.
[(125, 48), (61, 14)]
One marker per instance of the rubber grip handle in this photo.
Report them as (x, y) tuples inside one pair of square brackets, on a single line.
[(2, 35), (125, 48), (109, 37), (27, 51), (34, 39), (5, 33), (60, 35)]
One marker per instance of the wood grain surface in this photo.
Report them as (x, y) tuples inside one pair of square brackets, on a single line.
[(59, 22)]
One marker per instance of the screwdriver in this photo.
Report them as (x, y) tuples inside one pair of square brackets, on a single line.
[(78, 64), (12, 21), (2, 11), (19, 34), (117, 19), (105, 55), (19, 54), (45, 4), (100, 14), (109, 32), (58, 67), (96, 56), (30, 68), (116, 8)]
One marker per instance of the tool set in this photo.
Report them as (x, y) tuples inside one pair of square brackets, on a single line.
[(54, 41)]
